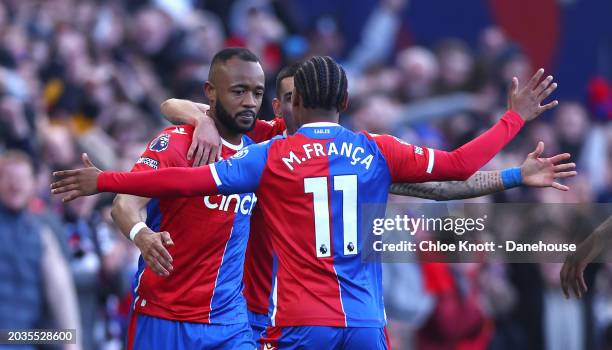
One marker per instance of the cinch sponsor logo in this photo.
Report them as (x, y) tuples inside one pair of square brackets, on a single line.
[(232, 203)]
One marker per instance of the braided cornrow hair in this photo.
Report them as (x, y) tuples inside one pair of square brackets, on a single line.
[(322, 83)]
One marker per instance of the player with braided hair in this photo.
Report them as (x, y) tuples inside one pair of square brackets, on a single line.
[(311, 186)]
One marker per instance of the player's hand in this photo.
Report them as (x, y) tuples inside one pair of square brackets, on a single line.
[(572, 272), (206, 143), (543, 172), (527, 101), (152, 246), (79, 182)]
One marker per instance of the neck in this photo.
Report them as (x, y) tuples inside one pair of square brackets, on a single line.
[(225, 133), (319, 115)]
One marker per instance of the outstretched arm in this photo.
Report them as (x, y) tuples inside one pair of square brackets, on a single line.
[(480, 184), (238, 174), (408, 163), (534, 172), (572, 272), (168, 182)]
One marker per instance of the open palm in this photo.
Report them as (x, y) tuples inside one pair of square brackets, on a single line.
[(544, 172)]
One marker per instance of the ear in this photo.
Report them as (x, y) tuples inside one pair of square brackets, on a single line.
[(276, 107), (211, 92), (344, 104)]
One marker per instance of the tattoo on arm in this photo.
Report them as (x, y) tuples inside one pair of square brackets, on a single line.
[(480, 184)]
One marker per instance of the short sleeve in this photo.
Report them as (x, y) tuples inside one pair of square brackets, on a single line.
[(266, 129), (407, 163), (241, 173), (168, 149)]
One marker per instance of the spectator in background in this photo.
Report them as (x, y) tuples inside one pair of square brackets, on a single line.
[(419, 70), (32, 268), (572, 125), (85, 263)]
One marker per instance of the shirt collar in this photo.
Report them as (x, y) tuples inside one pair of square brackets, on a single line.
[(319, 125)]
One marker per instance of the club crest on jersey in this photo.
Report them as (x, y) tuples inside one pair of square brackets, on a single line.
[(240, 154), (160, 143), (418, 150)]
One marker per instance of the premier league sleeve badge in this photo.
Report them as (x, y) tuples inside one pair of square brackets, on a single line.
[(160, 143)]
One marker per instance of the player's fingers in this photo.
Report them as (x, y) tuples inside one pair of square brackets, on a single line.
[(538, 150), (546, 92), (569, 285), (197, 160), (66, 173), (219, 150), (205, 156), (59, 188), (583, 285), (192, 149), (564, 174), (565, 166), (559, 186), (514, 86), (64, 182), (166, 238), (163, 257), (548, 106), (212, 157), (72, 196), (543, 85), (87, 161), (67, 188), (573, 282), (156, 261), (559, 157), (158, 268), (535, 79)]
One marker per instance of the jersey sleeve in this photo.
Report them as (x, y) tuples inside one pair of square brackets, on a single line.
[(168, 149), (409, 163), (266, 129), (241, 173), (406, 162)]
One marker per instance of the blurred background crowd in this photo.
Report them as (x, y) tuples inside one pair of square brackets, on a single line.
[(90, 75)]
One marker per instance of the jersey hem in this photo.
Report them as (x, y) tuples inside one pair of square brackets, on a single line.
[(327, 322), (199, 319)]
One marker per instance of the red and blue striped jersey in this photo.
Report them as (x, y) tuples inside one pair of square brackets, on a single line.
[(310, 187), (210, 236), (313, 187), (258, 260)]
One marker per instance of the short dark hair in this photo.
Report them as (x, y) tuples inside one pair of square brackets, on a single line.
[(322, 83), (287, 72), (231, 52)]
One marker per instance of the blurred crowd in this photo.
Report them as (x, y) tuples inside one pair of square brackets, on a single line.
[(89, 76)]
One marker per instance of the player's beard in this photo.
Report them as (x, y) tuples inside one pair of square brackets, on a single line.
[(230, 122)]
